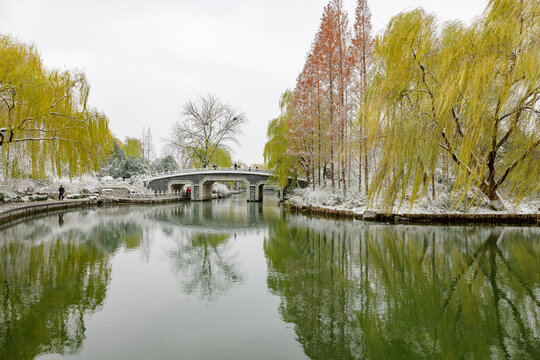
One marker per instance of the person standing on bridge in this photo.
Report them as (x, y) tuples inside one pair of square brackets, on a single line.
[(61, 192)]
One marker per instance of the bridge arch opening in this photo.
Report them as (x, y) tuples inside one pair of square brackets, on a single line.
[(181, 187), (206, 185)]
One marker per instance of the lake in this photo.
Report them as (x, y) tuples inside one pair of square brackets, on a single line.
[(229, 279)]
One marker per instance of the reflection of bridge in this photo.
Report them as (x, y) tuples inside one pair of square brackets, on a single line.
[(230, 216), (200, 181)]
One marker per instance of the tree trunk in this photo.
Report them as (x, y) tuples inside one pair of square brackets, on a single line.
[(313, 172), (332, 131), (433, 186), (333, 181), (496, 202), (324, 173), (319, 136), (366, 169), (492, 194), (360, 167)]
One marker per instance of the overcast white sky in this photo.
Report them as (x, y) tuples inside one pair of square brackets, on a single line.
[(144, 59)]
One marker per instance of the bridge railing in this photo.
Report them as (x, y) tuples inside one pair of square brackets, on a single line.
[(161, 195), (207, 169)]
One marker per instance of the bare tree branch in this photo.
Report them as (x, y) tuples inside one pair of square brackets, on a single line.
[(513, 166), (207, 125)]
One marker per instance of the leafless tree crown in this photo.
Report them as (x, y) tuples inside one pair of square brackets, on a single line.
[(206, 124)]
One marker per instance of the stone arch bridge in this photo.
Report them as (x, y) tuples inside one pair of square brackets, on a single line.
[(201, 181)]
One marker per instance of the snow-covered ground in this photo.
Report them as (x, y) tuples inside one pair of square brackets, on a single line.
[(353, 201), (28, 189), (330, 199), (321, 197)]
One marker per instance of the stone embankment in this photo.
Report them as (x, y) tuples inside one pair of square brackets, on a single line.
[(427, 219), (12, 211)]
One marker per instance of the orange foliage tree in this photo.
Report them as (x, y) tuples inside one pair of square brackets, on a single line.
[(328, 96)]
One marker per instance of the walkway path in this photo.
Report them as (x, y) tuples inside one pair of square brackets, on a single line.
[(11, 211), (19, 205)]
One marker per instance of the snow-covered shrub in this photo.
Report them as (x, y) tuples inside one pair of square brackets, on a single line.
[(75, 196), (36, 198), (220, 189), (354, 199), (327, 197)]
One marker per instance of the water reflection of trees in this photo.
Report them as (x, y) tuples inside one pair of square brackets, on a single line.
[(51, 275), (203, 256), (205, 264), (383, 292), (48, 284)]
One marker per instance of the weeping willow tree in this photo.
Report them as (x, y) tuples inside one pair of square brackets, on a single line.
[(45, 122), (465, 94), (276, 155)]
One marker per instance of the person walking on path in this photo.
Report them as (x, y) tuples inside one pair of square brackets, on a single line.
[(61, 192)]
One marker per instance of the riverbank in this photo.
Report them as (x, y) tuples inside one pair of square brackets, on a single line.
[(13, 211), (329, 202), (426, 219)]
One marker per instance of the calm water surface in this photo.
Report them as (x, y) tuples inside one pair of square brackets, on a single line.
[(236, 280)]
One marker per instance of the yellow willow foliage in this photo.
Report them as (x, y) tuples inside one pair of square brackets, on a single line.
[(45, 123), (465, 93), (133, 147), (275, 150)]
